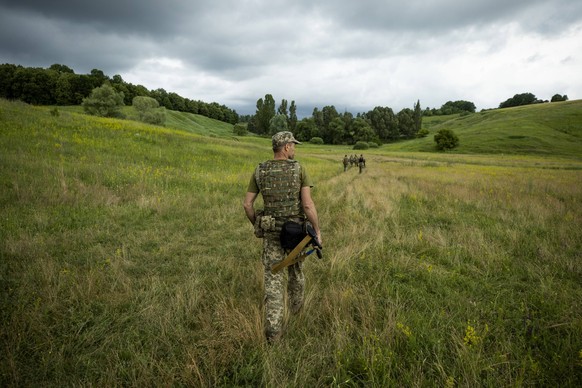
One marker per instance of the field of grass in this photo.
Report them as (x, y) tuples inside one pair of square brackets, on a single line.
[(126, 259)]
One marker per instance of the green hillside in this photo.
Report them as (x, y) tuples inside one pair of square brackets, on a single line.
[(188, 122), (542, 129), (197, 124), (551, 129)]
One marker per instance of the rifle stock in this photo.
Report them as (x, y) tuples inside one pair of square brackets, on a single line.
[(293, 257)]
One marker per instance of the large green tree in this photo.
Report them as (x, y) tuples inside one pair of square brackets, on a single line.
[(161, 95), (98, 77), (306, 129), (417, 116), (119, 85), (384, 123), (406, 125), (459, 106), (336, 131), (34, 85), (318, 119), (282, 110), (104, 101), (61, 68), (329, 114), (177, 102), (292, 116), (518, 100), (264, 113), (278, 123), (64, 89), (362, 131), (558, 97)]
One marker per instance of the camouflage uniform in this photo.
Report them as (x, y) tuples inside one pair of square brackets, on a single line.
[(279, 182), (274, 286), (361, 163)]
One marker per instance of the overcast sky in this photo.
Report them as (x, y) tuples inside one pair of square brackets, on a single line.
[(353, 54)]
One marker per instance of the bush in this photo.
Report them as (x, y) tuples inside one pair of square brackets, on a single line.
[(361, 145), (240, 129), (446, 139), (422, 133), (316, 140), (149, 111), (371, 144), (155, 117)]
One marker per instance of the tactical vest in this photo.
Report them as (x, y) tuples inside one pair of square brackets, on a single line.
[(280, 185)]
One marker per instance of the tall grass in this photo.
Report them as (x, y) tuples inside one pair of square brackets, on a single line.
[(126, 259)]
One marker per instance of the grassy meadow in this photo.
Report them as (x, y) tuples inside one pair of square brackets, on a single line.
[(126, 260)]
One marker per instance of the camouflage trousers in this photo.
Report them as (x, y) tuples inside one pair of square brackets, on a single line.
[(274, 302)]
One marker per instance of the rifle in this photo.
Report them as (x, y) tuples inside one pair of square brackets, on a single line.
[(294, 257)]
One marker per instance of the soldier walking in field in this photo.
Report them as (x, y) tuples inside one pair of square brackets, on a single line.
[(361, 162), (346, 161), (286, 189)]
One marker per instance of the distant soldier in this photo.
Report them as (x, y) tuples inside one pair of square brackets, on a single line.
[(353, 160), (346, 162), (286, 190), (361, 162)]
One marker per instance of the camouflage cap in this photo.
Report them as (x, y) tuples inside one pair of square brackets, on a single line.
[(282, 138)]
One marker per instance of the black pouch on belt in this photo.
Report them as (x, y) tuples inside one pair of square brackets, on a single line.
[(291, 234)]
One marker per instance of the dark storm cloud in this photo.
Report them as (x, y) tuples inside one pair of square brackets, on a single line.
[(348, 53), (148, 17), (443, 15)]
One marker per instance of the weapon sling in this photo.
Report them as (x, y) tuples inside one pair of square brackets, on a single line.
[(292, 256)]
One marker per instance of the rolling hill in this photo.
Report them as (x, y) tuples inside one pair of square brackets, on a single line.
[(550, 129), (542, 129)]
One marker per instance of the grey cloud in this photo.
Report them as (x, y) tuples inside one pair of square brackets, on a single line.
[(36, 41), (149, 17), (437, 16)]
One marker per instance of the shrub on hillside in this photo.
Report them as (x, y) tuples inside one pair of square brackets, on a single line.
[(316, 140), (446, 139), (156, 117), (422, 133), (361, 145), (240, 129), (148, 110), (372, 144)]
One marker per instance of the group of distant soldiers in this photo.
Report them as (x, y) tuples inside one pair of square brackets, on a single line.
[(354, 160)]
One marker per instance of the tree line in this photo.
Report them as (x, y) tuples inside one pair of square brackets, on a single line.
[(379, 125), (59, 85), (529, 98)]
